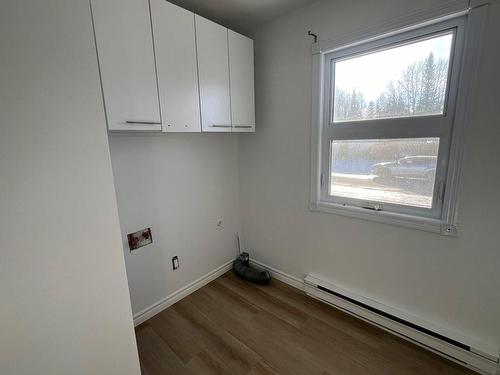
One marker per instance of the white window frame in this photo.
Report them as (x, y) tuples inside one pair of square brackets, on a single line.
[(467, 19)]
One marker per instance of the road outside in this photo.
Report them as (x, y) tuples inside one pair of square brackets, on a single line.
[(370, 187)]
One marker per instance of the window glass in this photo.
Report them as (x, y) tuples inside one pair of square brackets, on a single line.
[(403, 81), (399, 171)]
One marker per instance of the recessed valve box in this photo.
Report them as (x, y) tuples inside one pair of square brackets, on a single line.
[(139, 239)]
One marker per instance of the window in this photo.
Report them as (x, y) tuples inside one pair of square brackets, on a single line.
[(386, 108), (404, 80)]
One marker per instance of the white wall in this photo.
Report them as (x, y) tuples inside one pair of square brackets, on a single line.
[(65, 304), (453, 282), (177, 184)]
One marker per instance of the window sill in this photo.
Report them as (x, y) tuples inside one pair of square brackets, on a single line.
[(385, 217)]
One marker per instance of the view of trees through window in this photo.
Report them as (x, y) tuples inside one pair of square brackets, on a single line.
[(404, 81)]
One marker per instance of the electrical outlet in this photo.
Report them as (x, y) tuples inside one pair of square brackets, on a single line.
[(175, 262), (220, 223)]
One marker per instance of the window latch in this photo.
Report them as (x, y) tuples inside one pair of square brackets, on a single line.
[(441, 191), (372, 206)]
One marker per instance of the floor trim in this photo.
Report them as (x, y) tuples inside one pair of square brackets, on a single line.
[(300, 284), (176, 296), (280, 275), (293, 281)]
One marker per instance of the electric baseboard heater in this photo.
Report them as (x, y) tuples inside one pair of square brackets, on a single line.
[(477, 356)]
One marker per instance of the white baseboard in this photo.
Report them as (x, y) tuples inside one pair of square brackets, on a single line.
[(280, 275), (169, 300), (300, 284), (293, 281), (476, 356)]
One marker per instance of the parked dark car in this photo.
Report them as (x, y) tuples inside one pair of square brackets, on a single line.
[(409, 167)]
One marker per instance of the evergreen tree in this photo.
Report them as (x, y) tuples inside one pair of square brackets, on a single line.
[(357, 105), (428, 98), (371, 110)]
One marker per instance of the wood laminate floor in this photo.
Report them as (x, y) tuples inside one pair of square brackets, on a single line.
[(233, 327)]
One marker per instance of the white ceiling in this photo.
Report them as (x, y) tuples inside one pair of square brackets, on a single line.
[(241, 15)]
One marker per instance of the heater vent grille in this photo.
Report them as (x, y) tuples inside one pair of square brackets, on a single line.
[(459, 348), (398, 320)]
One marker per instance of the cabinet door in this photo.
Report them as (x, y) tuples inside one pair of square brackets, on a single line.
[(175, 47), (126, 61), (213, 69), (241, 80)]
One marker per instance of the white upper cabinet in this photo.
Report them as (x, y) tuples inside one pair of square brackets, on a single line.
[(165, 68), (127, 65), (213, 70), (175, 47), (241, 78)]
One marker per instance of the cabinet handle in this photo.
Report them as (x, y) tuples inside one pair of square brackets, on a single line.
[(243, 126), (143, 122), (220, 126)]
